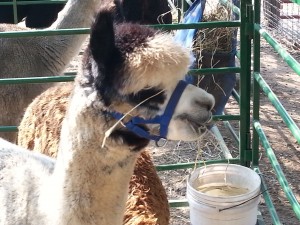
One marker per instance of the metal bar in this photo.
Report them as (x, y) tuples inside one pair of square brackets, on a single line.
[(8, 128), (278, 171), (71, 76), (178, 203), (67, 77), (223, 146), (245, 79), (23, 80), (45, 32), (236, 96), (256, 90), (232, 131), (278, 106), (216, 70), (194, 164), (268, 199), (14, 128), (33, 2), (279, 49), (226, 117), (238, 54), (15, 11)]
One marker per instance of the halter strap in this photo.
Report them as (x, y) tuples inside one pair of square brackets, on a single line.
[(163, 120)]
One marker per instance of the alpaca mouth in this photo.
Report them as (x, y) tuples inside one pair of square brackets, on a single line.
[(198, 125)]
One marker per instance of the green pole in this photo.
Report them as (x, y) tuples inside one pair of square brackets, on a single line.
[(256, 89), (245, 79), (279, 173), (15, 11), (268, 199)]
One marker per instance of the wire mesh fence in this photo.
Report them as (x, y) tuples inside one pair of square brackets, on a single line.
[(282, 19)]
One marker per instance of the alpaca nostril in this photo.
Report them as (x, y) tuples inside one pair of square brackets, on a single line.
[(208, 103), (210, 107)]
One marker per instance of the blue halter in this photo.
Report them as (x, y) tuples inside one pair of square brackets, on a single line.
[(163, 119)]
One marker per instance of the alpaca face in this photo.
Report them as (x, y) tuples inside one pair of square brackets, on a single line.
[(130, 65), (191, 115)]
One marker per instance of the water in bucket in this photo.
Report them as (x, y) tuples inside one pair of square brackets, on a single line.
[(223, 194), (222, 189)]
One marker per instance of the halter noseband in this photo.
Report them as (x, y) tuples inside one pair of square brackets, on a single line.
[(163, 120)]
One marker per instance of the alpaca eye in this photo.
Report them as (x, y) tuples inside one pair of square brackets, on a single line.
[(149, 97)]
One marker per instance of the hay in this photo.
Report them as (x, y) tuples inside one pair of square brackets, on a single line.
[(215, 40)]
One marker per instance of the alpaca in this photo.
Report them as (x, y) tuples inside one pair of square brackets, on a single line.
[(39, 56), (127, 69), (40, 129)]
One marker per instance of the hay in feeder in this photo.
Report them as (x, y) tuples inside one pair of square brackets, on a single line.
[(215, 48), (215, 40)]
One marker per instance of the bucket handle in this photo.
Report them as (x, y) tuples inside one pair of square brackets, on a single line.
[(234, 206)]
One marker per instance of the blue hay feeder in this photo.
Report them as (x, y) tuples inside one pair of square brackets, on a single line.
[(193, 15), (219, 85)]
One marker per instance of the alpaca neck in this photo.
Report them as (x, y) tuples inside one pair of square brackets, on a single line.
[(60, 50), (76, 14), (92, 181)]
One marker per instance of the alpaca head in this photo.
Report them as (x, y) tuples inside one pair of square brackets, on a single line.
[(130, 64)]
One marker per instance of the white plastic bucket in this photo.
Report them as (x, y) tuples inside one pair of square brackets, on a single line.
[(239, 209)]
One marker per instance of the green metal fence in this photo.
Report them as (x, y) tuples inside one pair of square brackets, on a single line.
[(258, 134), (251, 134)]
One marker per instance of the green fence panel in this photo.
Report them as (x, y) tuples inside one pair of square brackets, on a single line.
[(280, 109), (276, 166)]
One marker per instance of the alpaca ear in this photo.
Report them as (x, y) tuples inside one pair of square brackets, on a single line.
[(102, 38)]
